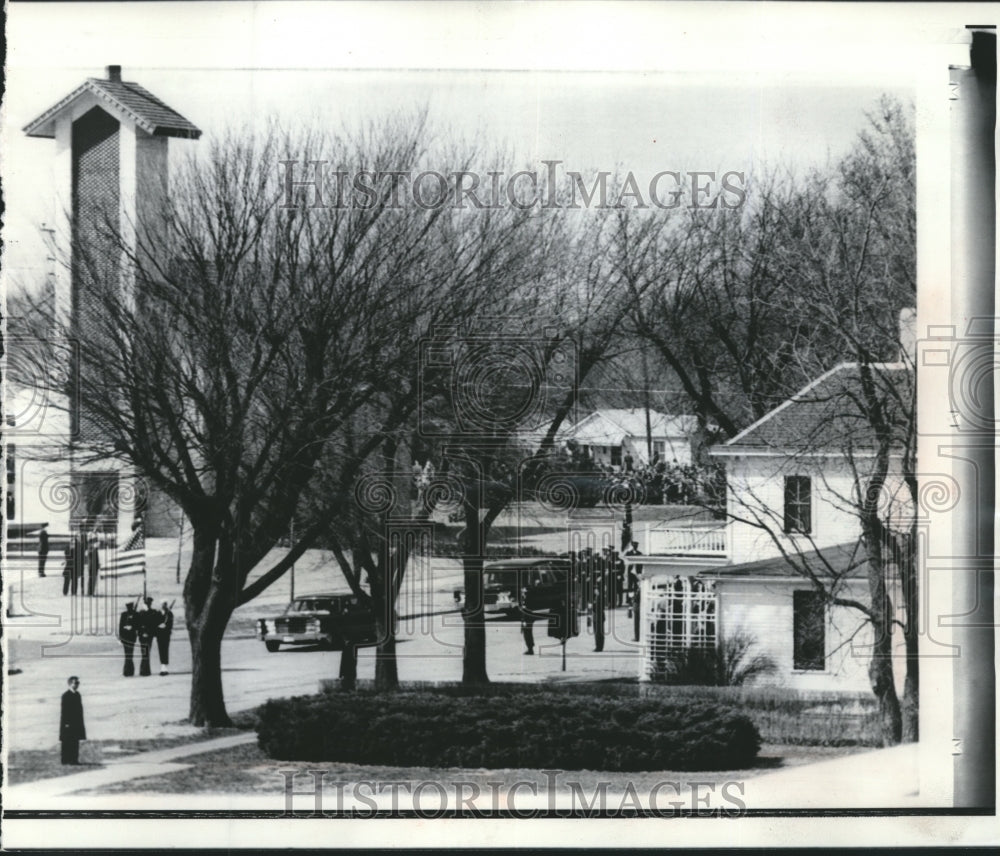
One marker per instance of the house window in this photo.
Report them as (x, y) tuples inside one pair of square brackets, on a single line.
[(660, 449), (616, 456), (809, 628), (798, 504)]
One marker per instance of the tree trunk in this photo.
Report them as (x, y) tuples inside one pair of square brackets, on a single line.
[(384, 604), (911, 683), (386, 669), (349, 667), (911, 600), (890, 717), (474, 654), (206, 627)]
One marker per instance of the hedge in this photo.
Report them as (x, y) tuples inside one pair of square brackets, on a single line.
[(541, 730)]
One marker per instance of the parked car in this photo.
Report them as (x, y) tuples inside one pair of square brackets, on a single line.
[(329, 620), (518, 588)]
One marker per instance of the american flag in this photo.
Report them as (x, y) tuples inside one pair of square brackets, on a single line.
[(130, 559)]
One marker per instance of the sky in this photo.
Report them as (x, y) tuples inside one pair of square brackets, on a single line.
[(632, 87)]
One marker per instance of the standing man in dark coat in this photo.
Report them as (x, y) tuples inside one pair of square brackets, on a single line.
[(163, 631), (71, 727), (43, 548), (79, 557), (93, 565), (148, 620), (128, 633), (635, 588), (69, 553)]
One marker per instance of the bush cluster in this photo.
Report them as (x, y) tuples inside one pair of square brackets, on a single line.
[(540, 730)]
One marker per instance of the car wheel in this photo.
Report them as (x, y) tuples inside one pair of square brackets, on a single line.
[(272, 646)]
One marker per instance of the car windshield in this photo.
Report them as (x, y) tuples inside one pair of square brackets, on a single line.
[(502, 579), (309, 606)]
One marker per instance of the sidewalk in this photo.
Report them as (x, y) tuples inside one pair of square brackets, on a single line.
[(157, 762)]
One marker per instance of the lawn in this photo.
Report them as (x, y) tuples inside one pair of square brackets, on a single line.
[(246, 770), (32, 765)]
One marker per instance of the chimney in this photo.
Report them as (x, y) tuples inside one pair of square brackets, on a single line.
[(115, 73)]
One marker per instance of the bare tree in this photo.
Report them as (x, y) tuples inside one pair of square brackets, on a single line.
[(851, 256), (239, 342)]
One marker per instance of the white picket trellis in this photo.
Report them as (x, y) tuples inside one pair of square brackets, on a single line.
[(678, 612)]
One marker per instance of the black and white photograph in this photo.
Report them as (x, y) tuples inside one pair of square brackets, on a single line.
[(462, 419)]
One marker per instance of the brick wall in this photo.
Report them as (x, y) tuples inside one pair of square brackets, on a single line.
[(96, 170)]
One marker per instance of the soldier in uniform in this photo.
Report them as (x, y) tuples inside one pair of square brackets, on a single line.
[(128, 633), (163, 631), (148, 621), (43, 548), (69, 554), (93, 565)]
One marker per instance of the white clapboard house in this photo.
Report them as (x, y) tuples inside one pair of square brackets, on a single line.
[(789, 490)]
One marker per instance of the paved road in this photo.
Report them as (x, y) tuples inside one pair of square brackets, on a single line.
[(52, 636)]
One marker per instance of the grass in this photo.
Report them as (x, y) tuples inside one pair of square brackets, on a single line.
[(791, 717), (796, 728), (246, 770), (32, 765)]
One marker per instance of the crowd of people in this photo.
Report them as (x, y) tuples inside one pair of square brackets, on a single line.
[(599, 580), (600, 577), (140, 626)]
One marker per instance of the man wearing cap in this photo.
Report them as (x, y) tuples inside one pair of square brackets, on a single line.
[(43, 548), (93, 565), (128, 633), (163, 631), (148, 620)]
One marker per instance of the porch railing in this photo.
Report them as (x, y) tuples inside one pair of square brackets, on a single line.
[(660, 540)]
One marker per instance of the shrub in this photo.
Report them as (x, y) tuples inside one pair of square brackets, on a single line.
[(543, 729), (728, 664)]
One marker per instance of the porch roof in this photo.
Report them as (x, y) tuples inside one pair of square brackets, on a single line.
[(830, 563)]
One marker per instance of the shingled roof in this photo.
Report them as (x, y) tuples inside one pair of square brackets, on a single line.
[(124, 98), (826, 415)]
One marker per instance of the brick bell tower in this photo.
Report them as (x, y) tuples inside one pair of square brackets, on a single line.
[(111, 176)]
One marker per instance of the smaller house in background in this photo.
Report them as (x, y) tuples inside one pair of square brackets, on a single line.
[(610, 435)]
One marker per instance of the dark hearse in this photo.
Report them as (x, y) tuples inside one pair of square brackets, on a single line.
[(519, 588), (327, 620)]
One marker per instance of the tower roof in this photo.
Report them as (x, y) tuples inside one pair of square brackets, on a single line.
[(124, 98)]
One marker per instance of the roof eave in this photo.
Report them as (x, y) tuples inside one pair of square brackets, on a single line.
[(44, 125)]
